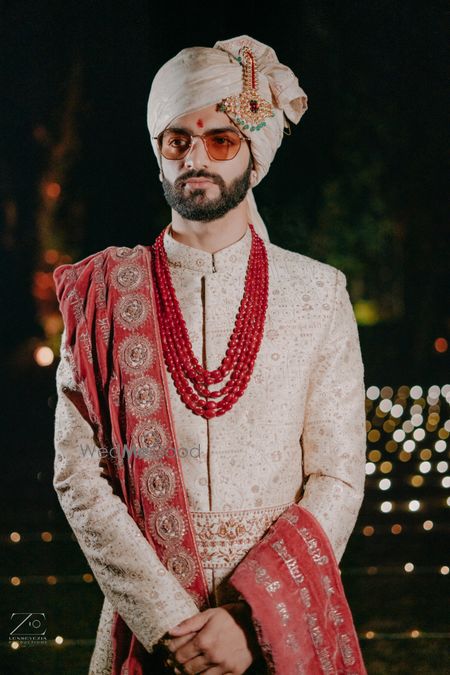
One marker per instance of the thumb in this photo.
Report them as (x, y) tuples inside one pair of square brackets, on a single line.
[(193, 624)]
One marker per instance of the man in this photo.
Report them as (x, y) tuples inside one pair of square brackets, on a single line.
[(235, 366)]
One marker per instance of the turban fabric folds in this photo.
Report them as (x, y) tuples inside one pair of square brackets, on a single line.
[(198, 77)]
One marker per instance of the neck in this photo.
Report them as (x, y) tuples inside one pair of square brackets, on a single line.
[(214, 235)]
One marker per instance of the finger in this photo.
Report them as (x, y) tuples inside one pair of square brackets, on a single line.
[(194, 623), (197, 665), (176, 643), (188, 651)]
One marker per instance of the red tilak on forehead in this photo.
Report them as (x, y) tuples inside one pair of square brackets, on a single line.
[(200, 123)]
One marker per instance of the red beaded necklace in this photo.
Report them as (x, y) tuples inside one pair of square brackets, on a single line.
[(243, 345)]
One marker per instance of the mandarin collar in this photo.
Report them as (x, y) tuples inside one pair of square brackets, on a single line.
[(188, 257)]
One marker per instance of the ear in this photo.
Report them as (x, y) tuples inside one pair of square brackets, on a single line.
[(253, 177)]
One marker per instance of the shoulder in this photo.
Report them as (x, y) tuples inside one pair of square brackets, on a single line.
[(69, 275), (115, 253), (303, 271), (314, 288)]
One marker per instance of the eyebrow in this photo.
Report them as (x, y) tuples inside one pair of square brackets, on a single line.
[(185, 130)]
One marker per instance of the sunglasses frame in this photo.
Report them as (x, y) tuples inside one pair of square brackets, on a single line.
[(202, 136)]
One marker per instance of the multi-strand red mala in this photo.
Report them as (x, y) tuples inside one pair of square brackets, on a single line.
[(191, 380)]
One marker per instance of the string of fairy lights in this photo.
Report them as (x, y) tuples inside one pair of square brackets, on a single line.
[(407, 457)]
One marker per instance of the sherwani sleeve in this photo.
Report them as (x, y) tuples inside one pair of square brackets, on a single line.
[(334, 435), (133, 579)]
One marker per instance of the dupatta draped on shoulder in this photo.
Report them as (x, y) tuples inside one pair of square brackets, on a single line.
[(113, 344)]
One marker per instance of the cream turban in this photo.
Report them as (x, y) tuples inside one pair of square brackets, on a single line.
[(198, 77)]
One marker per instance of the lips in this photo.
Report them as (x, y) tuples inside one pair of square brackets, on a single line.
[(198, 181)]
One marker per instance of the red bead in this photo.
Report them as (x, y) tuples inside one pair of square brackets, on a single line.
[(227, 362), (220, 412)]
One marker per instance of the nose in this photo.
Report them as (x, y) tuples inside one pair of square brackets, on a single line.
[(197, 155)]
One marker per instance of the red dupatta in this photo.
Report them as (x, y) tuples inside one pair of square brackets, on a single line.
[(301, 616), (113, 343), (290, 579)]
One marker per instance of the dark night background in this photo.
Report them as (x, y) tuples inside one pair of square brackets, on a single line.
[(359, 184)]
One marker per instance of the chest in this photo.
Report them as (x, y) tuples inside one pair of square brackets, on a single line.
[(293, 330)]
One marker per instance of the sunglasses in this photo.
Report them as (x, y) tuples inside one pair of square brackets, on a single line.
[(220, 144)]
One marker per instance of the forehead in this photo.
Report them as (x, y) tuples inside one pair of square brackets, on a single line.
[(207, 118)]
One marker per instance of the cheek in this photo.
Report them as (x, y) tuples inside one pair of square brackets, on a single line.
[(169, 171), (244, 157), (236, 167)]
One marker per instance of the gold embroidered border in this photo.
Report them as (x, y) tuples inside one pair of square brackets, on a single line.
[(224, 538)]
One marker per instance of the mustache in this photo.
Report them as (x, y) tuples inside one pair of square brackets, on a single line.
[(198, 174)]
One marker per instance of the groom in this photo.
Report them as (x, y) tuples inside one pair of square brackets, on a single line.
[(214, 337)]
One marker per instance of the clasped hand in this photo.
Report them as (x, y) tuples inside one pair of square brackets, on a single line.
[(214, 642)]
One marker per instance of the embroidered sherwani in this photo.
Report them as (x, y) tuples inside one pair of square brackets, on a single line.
[(297, 433)]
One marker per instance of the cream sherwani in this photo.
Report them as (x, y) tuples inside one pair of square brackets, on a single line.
[(297, 433)]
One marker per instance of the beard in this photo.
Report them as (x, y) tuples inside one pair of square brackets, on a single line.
[(195, 206)]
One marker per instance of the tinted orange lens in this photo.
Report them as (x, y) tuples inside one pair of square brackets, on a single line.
[(174, 145), (223, 145)]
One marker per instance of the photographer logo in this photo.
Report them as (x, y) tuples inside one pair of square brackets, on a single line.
[(28, 628)]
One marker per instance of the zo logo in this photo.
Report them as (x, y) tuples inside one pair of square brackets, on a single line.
[(28, 624)]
